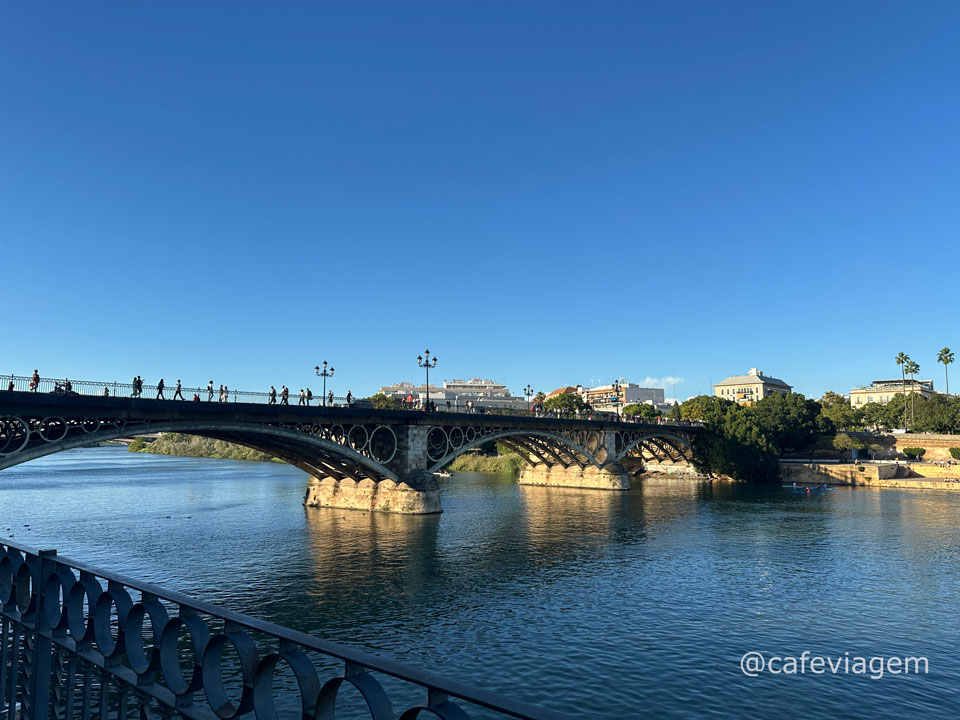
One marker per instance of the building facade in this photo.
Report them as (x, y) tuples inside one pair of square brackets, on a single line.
[(882, 391), (478, 392), (605, 397), (748, 389)]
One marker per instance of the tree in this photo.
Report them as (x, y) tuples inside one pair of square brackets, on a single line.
[(842, 442), (386, 402), (699, 407), (566, 403), (945, 356), (837, 409), (912, 369), (539, 398), (675, 413), (733, 444), (902, 359), (938, 413), (876, 415), (789, 421), (642, 412)]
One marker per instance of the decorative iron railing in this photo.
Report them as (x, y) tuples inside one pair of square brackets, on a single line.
[(79, 643), (21, 383)]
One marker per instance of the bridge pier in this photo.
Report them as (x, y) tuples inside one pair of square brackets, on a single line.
[(418, 498), (612, 476)]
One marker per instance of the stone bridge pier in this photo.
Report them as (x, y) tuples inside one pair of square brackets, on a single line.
[(574, 472), (410, 489)]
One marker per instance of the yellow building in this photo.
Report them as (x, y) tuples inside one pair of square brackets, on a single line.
[(747, 389), (882, 391)]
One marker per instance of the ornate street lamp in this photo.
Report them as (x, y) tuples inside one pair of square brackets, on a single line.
[(528, 391), (424, 362), (616, 396), (324, 374)]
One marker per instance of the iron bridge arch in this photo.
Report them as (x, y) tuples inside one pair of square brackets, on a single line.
[(354, 451)]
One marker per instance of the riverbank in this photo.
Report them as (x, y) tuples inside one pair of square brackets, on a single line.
[(910, 476), (502, 464), (198, 447)]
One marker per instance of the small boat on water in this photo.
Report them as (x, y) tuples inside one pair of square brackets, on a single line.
[(442, 474)]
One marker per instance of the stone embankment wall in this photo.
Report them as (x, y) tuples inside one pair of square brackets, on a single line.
[(915, 476), (937, 446)]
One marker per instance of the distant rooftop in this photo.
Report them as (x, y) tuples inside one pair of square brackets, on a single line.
[(753, 377)]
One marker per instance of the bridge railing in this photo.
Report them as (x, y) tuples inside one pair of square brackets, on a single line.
[(22, 383), (79, 642)]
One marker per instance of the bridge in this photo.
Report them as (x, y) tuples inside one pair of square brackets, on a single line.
[(357, 458)]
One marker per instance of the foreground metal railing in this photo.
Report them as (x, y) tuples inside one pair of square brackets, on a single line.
[(77, 643)]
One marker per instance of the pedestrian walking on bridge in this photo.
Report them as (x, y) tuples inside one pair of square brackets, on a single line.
[(160, 390), (309, 396), (178, 394), (272, 396), (210, 391), (35, 381), (330, 398), (284, 395), (303, 398)]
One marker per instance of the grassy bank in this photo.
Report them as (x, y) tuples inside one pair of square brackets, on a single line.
[(504, 464), (194, 446)]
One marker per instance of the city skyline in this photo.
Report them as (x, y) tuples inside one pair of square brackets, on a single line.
[(539, 194)]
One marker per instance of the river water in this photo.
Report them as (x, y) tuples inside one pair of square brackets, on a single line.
[(605, 605)]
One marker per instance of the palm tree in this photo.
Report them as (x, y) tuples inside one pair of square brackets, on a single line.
[(945, 356), (912, 369), (902, 359)]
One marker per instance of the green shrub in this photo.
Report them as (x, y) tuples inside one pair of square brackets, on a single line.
[(510, 464), (914, 453), (861, 468), (136, 446), (955, 453)]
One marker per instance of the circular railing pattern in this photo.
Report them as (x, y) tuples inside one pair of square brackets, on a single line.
[(14, 435), (377, 442), (171, 652)]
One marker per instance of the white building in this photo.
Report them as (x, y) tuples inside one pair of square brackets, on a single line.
[(748, 389), (604, 397), (480, 393)]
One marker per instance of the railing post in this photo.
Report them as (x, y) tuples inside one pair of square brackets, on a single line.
[(38, 690)]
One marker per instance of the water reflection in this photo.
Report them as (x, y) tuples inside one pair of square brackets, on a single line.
[(609, 604)]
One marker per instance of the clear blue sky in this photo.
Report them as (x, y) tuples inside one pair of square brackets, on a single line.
[(539, 192)]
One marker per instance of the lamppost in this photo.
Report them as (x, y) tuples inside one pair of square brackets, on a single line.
[(324, 374), (424, 362), (528, 391), (616, 396)]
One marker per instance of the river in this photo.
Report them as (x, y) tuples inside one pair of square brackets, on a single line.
[(606, 605)]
